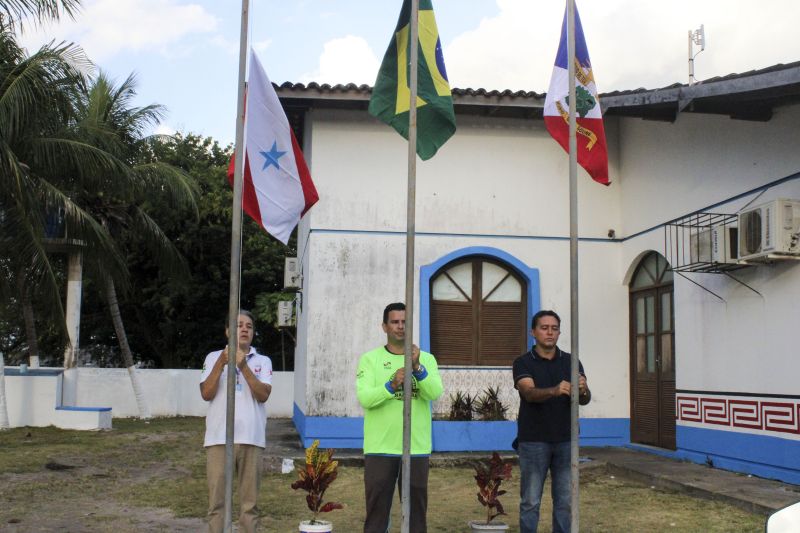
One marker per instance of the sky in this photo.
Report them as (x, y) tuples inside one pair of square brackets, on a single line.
[(185, 52)]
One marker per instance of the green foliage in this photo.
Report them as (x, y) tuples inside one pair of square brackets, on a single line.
[(175, 322), (315, 477), (489, 406), (460, 406), (489, 474)]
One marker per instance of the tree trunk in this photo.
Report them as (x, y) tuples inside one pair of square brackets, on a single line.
[(30, 323), (4, 423), (125, 349)]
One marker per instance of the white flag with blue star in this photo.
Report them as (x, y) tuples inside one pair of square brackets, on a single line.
[(277, 185)]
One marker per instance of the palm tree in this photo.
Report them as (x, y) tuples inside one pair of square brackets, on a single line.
[(13, 11), (39, 156), (109, 120)]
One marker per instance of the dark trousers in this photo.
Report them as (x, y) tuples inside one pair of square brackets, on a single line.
[(381, 473)]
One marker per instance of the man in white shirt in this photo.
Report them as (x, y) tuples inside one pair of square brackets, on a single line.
[(253, 387)]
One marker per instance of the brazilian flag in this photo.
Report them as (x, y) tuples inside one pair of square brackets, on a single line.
[(436, 120)]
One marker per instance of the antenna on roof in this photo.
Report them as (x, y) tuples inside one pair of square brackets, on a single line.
[(696, 37)]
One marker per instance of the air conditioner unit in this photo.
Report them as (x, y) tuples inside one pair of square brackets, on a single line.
[(717, 244), (291, 273), (285, 318), (770, 231)]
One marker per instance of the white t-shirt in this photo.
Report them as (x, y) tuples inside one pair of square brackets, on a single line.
[(250, 417)]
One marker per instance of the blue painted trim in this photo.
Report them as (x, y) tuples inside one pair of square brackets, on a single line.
[(462, 436), (605, 431), (332, 432), (36, 372), (760, 455), (84, 409), (328, 231), (347, 432), (755, 190), (760, 188), (426, 272)]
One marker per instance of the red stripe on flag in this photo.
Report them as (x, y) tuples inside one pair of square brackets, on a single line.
[(249, 200), (309, 191), (594, 160)]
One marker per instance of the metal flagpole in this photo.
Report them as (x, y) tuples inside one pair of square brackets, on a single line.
[(410, 230), (573, 268), (236, 260)]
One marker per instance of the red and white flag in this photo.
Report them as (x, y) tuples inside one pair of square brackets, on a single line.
[(591, 136), (277, 185)]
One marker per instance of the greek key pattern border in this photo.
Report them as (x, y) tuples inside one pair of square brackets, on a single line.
[(749, 414)]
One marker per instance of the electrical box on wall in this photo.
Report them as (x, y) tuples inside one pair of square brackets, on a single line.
[(285, 314), (770, 231), (292, 279)]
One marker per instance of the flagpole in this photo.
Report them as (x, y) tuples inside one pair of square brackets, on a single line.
[(236, 260), (405, 495), (573, 269)]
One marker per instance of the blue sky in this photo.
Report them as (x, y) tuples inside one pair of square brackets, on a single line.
[(185, 52)]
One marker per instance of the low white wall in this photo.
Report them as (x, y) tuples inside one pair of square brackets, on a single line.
[(169, 392), (32, 400)]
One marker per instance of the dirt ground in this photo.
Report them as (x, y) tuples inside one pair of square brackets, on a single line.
[(150, 476)]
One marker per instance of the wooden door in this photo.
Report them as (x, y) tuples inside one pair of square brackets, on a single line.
[(652, 354)]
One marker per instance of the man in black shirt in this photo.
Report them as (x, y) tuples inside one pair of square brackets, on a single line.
[(542, 377)]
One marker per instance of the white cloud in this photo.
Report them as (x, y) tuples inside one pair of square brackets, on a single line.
[(260, 46), (228, 46), (345, 60), (632, 44), (106, 27), (165, 129)]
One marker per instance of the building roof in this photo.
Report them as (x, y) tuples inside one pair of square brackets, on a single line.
[(750, 95)]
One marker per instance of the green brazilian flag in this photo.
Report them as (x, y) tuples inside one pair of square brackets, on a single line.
[(436, 120)]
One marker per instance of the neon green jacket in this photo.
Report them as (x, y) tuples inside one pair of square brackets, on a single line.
[(383, 410)]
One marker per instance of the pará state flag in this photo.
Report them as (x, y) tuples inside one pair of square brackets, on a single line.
[(591, 137), (391, 97), (277, 184)]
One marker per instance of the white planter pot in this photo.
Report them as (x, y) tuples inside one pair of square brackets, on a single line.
[(321, 526), (491, 526)]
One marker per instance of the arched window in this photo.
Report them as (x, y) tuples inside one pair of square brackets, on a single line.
[(478, 312)]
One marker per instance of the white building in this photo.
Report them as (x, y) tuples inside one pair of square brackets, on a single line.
[(492, 205)]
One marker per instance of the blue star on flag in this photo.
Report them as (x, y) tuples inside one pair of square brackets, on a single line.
[(271, 157)]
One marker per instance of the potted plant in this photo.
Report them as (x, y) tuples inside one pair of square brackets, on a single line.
[(319, 472), (489, 474)]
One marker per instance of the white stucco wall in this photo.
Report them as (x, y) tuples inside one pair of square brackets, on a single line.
[(32, 400), (668, 170), (748, 342), (168, 392), (356, 275), (502, 183), (498, 177)]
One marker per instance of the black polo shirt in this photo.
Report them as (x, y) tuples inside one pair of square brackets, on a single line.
[(548, 421)]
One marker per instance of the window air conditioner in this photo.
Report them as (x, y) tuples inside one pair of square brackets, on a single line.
[(717, 244), (770, 230)]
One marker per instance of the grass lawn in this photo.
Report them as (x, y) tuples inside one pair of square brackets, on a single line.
[(151, 477)]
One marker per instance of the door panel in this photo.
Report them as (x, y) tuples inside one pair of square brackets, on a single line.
[(652, 361)]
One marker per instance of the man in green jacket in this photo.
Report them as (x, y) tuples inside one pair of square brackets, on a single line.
[(379, 385)]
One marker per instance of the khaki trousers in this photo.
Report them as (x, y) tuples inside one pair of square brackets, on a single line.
[(247, 461)]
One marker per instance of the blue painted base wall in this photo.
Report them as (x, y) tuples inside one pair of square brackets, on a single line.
[(347, 432), (763, 456)]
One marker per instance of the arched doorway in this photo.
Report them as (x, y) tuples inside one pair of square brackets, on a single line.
[(652, 349)]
